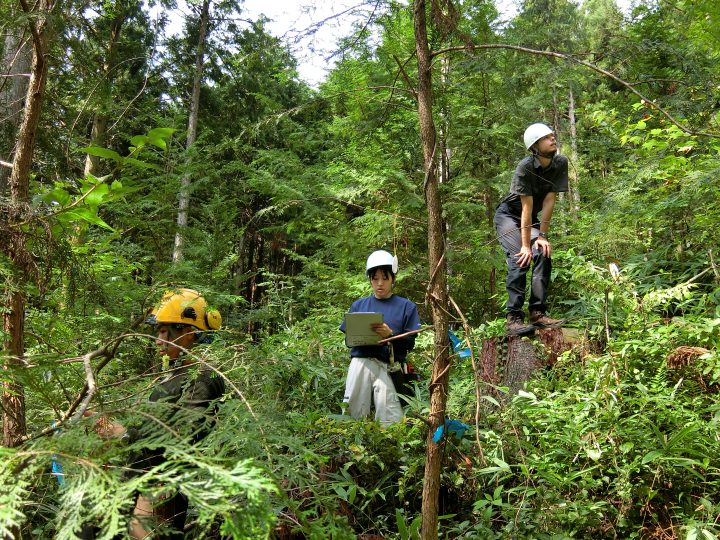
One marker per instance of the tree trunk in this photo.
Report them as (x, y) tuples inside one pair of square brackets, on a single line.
[(574, 188), (512, 361), (184, 196), (490, 240), (13, 400), (13, 89), (437, 293), (97, 138), (521, 363), (98, 134)]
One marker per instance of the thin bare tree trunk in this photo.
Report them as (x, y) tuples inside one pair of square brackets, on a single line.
[(13, 399), (437, 292), (574, 187), (13, 89), (97, 138), (184, 196), (490, 241)]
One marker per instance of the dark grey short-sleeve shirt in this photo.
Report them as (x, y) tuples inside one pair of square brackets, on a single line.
[(531, 179)]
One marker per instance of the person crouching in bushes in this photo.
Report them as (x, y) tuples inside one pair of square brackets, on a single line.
[(183, 400)]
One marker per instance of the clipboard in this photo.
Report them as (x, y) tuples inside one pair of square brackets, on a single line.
[(357, 328)]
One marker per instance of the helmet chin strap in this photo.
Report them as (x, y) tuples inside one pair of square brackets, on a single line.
[(548, 155)]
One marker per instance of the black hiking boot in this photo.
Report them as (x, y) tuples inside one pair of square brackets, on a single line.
[(540, 320), (515, 326)]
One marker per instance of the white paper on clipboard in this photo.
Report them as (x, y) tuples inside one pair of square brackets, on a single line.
[(357, 328)]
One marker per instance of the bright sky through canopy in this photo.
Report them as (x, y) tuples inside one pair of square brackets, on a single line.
[(312, 27)]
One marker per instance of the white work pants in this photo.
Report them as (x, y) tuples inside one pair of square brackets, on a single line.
[(368, 381)]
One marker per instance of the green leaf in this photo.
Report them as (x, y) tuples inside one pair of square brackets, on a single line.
[(139, 141), (142, 164), (99, 151), (86, 214), (58, 195), (96, 195), (651, 456), (160, 136), (352, 493), (402, 527), (526, 395)]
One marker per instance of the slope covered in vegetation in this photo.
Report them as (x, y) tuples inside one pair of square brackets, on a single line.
[(290, 189)]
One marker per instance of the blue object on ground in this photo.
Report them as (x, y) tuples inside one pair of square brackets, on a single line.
[(457, 346)]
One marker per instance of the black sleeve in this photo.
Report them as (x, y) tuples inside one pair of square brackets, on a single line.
[(181, 403)]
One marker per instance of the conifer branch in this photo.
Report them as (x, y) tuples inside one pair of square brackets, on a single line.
[(82, 400)]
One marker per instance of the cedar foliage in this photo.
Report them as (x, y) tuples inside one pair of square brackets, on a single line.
[(293, 188)]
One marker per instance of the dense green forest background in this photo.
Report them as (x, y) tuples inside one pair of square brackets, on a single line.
[(288, 189)]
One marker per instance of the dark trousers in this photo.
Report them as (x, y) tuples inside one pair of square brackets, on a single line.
[(507, 227)]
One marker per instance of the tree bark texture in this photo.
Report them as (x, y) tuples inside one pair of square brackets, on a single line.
[(522, 362), (13, 244), (574, 188), (437, 289), (184, 196), (512, 361), (17, 58)]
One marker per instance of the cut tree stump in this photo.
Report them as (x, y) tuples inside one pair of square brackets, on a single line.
[(511, 361)]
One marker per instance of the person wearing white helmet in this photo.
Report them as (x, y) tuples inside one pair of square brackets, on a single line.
[(368, 379), (522, 222)]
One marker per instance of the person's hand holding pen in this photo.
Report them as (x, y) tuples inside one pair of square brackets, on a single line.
[(381, 329)]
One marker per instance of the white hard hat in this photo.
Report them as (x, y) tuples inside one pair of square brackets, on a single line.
[(382, 258), (534, 133)]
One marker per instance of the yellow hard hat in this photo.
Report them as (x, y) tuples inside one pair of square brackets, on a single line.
[(185, 306)]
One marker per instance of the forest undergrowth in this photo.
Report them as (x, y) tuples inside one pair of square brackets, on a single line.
[(618, 439), (291, 188)]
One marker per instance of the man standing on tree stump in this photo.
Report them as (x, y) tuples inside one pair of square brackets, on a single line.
[(522, 222)]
